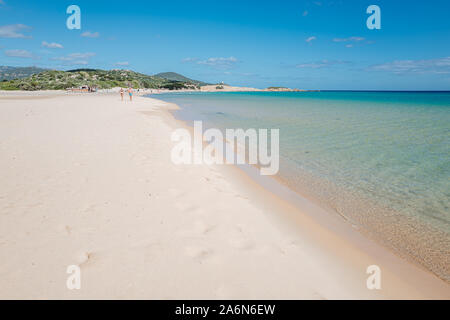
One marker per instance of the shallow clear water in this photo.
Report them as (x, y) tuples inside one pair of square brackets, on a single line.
[(355, 151)]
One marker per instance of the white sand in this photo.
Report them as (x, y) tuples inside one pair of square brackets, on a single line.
[(87, 180)]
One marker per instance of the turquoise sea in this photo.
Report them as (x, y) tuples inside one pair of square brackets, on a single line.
[(379, 159)]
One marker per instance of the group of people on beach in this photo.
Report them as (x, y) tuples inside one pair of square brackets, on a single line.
[(130, 93)]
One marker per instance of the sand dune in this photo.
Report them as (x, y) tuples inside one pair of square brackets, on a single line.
[(87, 180)]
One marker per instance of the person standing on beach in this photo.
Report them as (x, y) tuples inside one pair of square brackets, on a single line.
[(130, 93), (121, 93)]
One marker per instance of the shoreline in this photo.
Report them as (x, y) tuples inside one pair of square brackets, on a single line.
[(280, 187), (270, 248)]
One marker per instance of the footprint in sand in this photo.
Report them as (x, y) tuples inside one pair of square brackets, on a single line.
[(83, 257), (242, 244), (271, 249), (295, 243), (186, 207), (318, 296), (89, 208), (242, 197), (68, 230), (196, 229), (177, 193), (202, 227), (33, 205), (198, 254), (223, 292), (63, 228), (219, 176)]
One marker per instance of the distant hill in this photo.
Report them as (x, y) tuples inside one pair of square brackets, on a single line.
[(173, 76), (102, 79), (9, 73)]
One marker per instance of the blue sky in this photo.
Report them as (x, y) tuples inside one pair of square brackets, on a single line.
[(323, 44)]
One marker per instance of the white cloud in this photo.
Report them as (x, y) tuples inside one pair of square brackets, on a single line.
[(122, 63), (89, 34), (76, 58), (219, 61), (214, 62), (52, 45), (436, 66), (189, 60), (17, 53), (14, 31), (321, 64), (310, 39), (352, 39), (312, 65)]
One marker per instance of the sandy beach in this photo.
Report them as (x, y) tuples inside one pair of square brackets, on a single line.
[(87, 180)]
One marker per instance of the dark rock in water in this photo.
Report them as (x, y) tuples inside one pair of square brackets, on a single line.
[(221, 113)]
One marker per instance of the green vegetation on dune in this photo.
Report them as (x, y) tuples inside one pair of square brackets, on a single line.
[(102, 79)]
